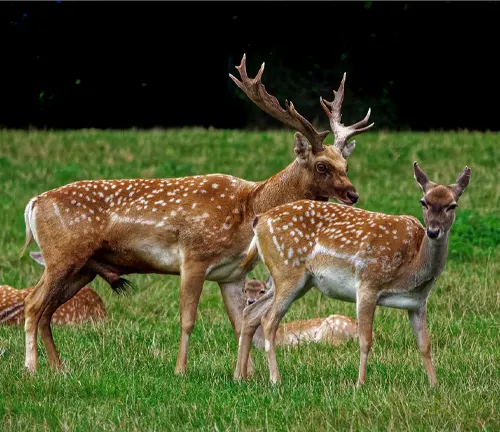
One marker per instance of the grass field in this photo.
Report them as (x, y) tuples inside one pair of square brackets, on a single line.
[(120, 374)]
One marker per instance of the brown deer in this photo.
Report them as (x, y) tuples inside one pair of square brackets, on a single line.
[(352, 255), (334, 329), (85, 306), (198, 227)]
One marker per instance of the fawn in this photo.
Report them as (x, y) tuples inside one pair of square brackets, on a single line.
[(353, 255), (333, 329), (85, 306)]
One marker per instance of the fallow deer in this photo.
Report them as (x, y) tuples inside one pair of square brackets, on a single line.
[(333, 329), (85, 306), (353, 255), (198, 227)]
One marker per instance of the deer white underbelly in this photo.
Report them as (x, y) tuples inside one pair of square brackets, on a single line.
[(164, 258), (226, 270), (337, 283), (407, 300)]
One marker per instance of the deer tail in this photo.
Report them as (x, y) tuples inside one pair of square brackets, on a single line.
[(28, 214), (251, 253)]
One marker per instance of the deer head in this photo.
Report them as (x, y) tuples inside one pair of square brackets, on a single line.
[(439, 202), (324, 167), (254, 290)]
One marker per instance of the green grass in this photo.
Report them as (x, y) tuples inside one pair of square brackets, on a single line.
[(120, 374)]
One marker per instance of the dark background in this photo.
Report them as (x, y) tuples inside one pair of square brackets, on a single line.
[(418, 65)]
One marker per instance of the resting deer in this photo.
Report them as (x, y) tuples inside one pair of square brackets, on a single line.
[(352, 255), (85, 306), (333, 329), (198, 227)]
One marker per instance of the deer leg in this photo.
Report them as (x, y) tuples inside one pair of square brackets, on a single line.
[(60, 295), (251, 322), (58, 274), (34, 304), (234, 301), (286, 291), (418, 321), (192, 279), (365, 308)]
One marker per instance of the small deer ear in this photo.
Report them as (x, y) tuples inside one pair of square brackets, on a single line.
[(269, 283), (462, 181), (37, 256), (420, 177), (301, 146), (348, 148)]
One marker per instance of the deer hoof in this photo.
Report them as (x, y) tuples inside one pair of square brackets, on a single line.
[(180, 371)]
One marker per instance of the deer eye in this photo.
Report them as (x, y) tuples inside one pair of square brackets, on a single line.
[(262, 292), (347, 169), (452, 207), (321, 167), (424, 204)]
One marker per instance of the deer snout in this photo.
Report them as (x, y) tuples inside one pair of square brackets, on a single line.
[(433, 232), (353, 196), (250, 301)]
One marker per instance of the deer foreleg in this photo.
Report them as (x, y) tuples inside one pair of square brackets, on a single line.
[(365, 307), (192, 279), (418, 321), (251, 321)]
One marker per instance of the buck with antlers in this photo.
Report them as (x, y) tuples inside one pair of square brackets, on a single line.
[(198, 227), (333, 329), (352, 255)]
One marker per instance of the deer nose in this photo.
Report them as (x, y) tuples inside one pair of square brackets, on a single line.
[(353, 196), (433, 232), (250, 302)]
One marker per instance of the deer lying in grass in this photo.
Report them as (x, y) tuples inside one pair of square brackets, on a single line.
[(198, 227), (85, 306), (352, 255), (334, 329)]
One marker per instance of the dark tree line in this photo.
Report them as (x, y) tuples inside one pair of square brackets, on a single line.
[(429, 65)]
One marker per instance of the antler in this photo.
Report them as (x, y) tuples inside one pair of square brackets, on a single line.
[(342, 133), (257, 93)]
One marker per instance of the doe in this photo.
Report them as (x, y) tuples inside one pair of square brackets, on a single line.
[(353, 255)]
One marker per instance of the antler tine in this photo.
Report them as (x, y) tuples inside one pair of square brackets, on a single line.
[(342, 133), (290, 117)]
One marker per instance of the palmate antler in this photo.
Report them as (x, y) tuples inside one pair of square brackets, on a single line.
[(342, 133), (290, 117), (256, 92)]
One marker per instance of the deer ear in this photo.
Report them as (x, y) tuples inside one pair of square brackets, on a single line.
[(348, 148), (269, 283), (420, 177), (462, 181), (37, 256), (301, 146)]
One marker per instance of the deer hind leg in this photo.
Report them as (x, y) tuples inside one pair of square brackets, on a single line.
[(58, 275), (418, 319), (365, 308), (287, 289), (251, 322), (60, 295), (34, 304), (192, 279)]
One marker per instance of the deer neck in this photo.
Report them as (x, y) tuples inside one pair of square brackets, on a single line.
[(432, 257), (286, 186)]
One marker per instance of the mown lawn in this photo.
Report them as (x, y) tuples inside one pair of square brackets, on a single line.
[(120, 374)]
